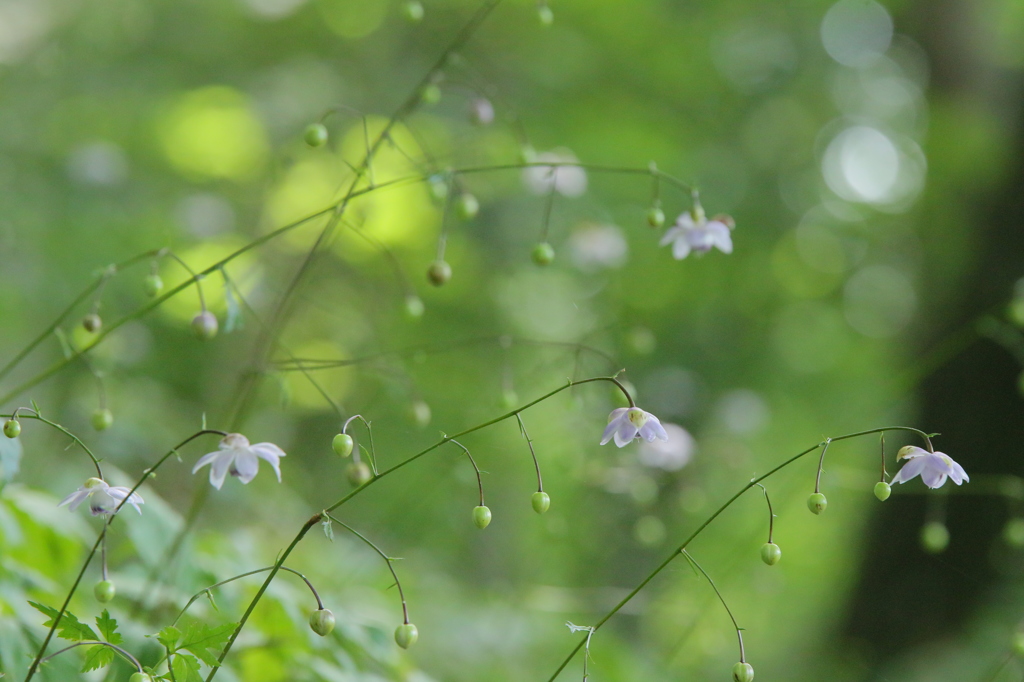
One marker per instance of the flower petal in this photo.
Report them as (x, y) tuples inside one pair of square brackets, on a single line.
[(720, 236), (206, 459), (625, 434), (74, 499), (671, 234), (272, 454), (615, 419), (680, 249), (653, 429), (933, 477), (246, 465), (958, 474), (910, 469), (220, 467)]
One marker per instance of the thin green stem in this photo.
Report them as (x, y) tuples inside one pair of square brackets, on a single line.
[(206, 590), (134, 661), (195, 277), (533, 454), (821, 462), (739, 630), (387, 559), (479, 479), (771, 513), (78, 441)]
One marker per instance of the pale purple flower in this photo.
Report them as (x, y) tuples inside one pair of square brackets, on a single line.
[(103, 499), (694, 233), (568, 180), (932, 467), (240, 459), (627, 423)]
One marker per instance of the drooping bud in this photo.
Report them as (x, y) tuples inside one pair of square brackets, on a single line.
[(104, 591), (152, 285), (406, 635), (509, 399), (102, 419), (481, 517), (543, 253), (743, 672), (204, 325), (413, 11), (92, 323), (655, 216), (358, 473), (438, 187), (467, 206), (12, 428), (439, 273), (1013, 532), (430, 94), (414, 307), (321, 622), (882, 491), (770, 553), (934, 537), (817, 503), (316, 135), (343, 444), (140, 677), (541, 502)]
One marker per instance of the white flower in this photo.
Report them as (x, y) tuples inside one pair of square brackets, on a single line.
[(568, 180), (693, 232), (103, 499), (627, 423), (933, 467), (238, 458)]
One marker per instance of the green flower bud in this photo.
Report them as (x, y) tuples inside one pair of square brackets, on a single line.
[(204, 325), (406, 635), (481, 517), (770, 553), (541, 502), (543, 253), (104, 591), (438, 187), (467, 206), (430, 94), (343, 444), (509, 399), (655, 216), (152, 285), (545, 15), (321, 622), (92, 323), (413, 11), (934, 537), (315, 135), (743, 672), (414, 307), (140, 677), (102, 419), (1013, 532), (817, 503), (12, 428), (439, 273), (883, 490), (358, 473)]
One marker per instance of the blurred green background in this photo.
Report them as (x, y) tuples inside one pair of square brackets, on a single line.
[(871, 156)]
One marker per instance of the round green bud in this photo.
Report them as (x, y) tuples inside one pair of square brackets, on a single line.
[(358, 473), (481, 517), (431, 93), (439, 273), (104, 591), (152, 285), (934, 537), (92, 323), (343, 444), (140, 677), (545, 15), (321, 622), (509, 399), (12, 428), (102, 419), (315, 135), (467, 206), (414, 307), (543, 253), (438, 187), (1018, 644), (655, 216), (770, 553), (413, 11), (541, 502), (883, 490), (743, 672), (204, 325), (817, 503), (406, 635), (1013, 532)]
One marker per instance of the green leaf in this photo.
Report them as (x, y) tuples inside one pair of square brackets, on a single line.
[(328, 528), (169, 636), (69, 627), (200, 638), (99, 656), (108, 628), (186, 668)]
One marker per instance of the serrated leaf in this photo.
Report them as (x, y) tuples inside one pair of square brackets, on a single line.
[(69, 626), (99, 656), (186, 668), (328, 528), (200, 638), (108, 628), (169, 636)]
